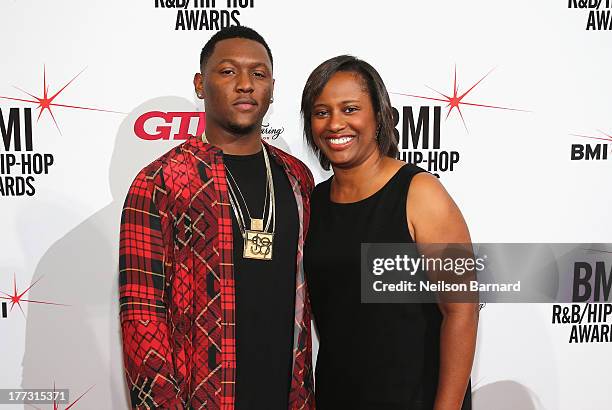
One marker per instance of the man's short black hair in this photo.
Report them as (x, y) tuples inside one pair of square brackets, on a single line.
[(232, 32)]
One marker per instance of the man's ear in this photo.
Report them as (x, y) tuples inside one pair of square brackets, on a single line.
[(198, 85)]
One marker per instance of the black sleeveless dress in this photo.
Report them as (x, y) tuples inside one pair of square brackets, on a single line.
[(371, 356)]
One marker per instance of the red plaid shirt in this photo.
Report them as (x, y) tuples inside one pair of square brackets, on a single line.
[(177, 283)]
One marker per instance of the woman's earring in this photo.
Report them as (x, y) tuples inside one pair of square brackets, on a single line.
[(377, 132), (271, 100)]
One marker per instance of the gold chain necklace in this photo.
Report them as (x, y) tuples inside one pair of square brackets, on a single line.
[(258, 240)]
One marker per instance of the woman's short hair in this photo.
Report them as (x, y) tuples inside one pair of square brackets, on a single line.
[(387, 142)]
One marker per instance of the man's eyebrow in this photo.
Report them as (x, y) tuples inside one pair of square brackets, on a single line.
[(234, 62)]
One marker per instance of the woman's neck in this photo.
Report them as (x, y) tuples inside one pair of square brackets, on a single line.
[(359, 182)]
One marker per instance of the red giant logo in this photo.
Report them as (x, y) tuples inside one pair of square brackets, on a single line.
[(161, 125)]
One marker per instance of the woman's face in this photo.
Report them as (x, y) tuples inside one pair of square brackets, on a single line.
[(343, 121)]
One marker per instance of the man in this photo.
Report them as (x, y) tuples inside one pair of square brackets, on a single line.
[(214, 310)]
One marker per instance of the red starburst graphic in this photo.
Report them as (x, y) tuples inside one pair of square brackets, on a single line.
[(606, 137), (46, 102), (456, 100), (56, 405), (16, 298)]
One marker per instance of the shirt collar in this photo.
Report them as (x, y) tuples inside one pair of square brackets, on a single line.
[(203, 147)]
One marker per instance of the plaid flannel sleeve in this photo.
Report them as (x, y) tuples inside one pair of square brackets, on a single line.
[(147, 349)]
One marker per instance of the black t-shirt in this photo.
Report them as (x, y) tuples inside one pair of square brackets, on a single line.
[(265, 290)]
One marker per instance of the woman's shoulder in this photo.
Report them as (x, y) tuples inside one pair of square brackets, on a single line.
[(422, 186), (409, 170), (402, 174), (427, 195)]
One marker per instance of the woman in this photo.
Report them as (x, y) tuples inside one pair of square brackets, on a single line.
[(376, 356)]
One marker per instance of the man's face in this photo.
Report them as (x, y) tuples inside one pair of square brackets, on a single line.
[(236, 85)]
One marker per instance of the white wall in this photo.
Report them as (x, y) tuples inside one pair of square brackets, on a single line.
[(514, 182)]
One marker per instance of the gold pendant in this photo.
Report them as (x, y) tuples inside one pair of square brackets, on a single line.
[(256, 224), (258, 245)]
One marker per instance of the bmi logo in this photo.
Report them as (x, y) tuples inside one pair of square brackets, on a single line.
[(594, 150), (20, 165), (592, 281), (420, 138), (16, 297)]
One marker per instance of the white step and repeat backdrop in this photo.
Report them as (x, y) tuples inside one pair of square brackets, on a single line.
[(93, 91)]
